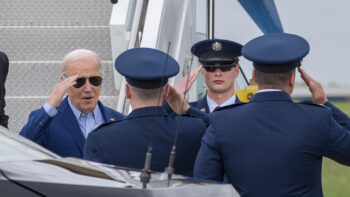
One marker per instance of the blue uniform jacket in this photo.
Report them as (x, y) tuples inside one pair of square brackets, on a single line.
[(61, 134), (272, 146), (125, 142), (202, 104), (198, 109)]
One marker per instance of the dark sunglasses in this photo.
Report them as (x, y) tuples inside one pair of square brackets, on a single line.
[(94, 80), (222, 68)]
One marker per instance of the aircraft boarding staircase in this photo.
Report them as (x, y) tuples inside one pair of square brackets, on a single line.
[(36, 34)]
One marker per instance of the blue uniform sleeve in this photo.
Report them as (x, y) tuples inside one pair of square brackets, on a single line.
[(339, 116), (192, 112), (167, 108), (208, 164), (36, 128), (338, 142)]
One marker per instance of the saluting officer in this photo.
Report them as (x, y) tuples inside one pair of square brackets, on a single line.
[(219, 59), (272, 146), (125, 143)]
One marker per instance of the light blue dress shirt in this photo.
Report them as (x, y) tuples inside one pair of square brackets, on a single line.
[(212, 105), (87, 122)]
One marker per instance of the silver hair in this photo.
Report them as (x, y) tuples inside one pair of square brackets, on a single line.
[(78, 55)]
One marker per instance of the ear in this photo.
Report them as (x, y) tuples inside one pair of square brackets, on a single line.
[(127, 91), (236, 69), (254, 76), (292, 80), (62, 78), (166, 91)]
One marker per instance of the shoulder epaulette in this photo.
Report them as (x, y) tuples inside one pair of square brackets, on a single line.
[(187, 115), (229, 106), (310, 103)]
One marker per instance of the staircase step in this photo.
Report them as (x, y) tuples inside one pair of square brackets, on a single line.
[(53, 42), (38, 78), (19, 108), (55, 12)]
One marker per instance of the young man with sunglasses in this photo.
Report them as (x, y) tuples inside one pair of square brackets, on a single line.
[(219, 59), (62, 126)]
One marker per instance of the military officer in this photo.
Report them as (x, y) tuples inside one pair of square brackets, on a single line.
[(219, 59), (125, 143), (272, 146)]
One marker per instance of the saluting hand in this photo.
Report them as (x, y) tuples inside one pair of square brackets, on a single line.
[(318, 95), (60, 90), (177, 101), (189, 80)]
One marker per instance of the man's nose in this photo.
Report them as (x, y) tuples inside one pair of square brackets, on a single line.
[(218, 71), (87, 86)]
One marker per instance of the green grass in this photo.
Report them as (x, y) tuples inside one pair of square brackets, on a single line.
[(336, 177)]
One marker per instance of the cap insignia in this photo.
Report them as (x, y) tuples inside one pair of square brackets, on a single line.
[(217, 46)]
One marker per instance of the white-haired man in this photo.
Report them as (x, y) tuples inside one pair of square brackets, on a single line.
[(62, 126)]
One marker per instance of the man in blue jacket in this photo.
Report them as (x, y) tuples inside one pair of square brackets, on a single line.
[(63, 126), (126, 142), (272, 146)]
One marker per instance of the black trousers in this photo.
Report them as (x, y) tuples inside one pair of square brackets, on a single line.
[(4, 69)]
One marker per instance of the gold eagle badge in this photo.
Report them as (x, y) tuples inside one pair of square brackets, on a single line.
[(217, 46)]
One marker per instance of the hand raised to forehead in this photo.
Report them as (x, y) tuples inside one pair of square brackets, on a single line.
[(60, 90), (177, 101), (318, 95), (189, 80)]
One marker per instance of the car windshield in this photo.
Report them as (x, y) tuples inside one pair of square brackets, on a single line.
[(16, 148)]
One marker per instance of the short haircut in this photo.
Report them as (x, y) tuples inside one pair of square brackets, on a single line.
[(273, 79), (147, 94), (78, 55)]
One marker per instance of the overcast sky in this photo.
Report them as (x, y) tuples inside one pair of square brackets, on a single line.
[(324, 23)]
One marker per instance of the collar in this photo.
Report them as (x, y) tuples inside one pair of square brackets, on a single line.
[(96, 113), (147, 111), (268, 90), (212, 105), (271, 96)]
